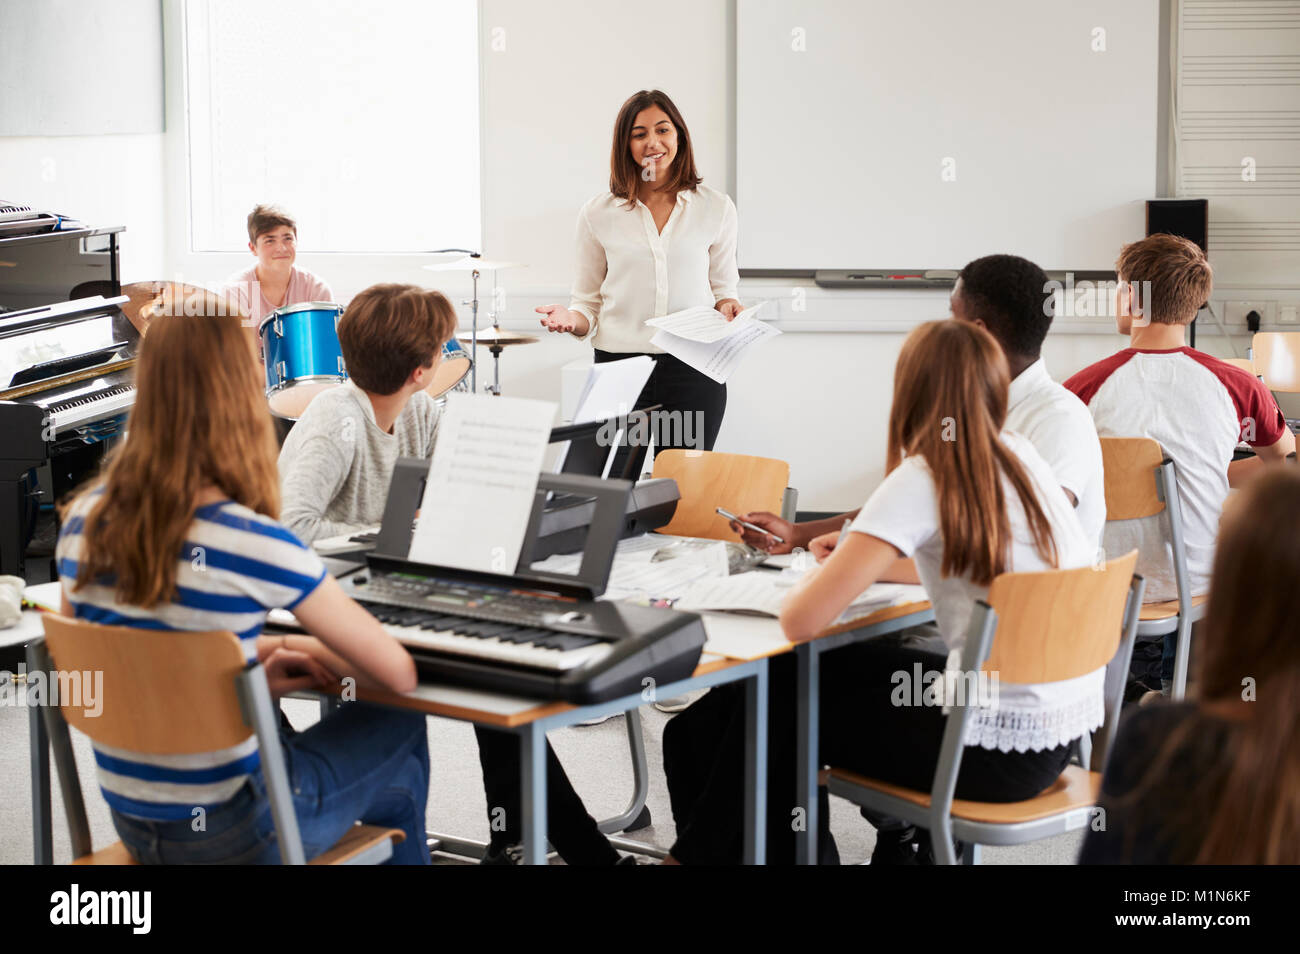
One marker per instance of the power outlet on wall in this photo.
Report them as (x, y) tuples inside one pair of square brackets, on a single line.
[(1235, 312), (1287, 313)]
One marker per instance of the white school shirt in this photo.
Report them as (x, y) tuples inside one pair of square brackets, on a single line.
[(628, 272), (1059, 426), (1197, 408), (904, 511)]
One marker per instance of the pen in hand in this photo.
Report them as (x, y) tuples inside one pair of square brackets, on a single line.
[(746, 524)]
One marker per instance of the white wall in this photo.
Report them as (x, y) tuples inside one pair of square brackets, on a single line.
[(102, 180)]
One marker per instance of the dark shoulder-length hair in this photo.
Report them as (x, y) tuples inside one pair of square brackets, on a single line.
[(624, 173)]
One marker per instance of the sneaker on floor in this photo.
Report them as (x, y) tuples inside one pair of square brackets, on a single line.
[(895, 846), (503, 855), (673, 704)]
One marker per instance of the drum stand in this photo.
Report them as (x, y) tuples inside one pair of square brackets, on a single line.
[(495, 387), (473, 339)]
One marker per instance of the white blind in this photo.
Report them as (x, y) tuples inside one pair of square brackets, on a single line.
[(1237, 128), (362, 120)]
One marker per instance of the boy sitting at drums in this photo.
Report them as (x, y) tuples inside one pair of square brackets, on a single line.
[(275, 281), (337, 462)]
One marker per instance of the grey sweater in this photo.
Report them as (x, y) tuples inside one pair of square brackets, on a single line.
[(336, 464)]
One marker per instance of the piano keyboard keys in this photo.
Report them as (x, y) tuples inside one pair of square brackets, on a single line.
[(533, 647)]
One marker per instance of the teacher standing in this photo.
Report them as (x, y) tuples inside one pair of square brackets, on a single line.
[(657, 242)]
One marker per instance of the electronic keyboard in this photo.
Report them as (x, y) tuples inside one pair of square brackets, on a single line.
[(525, 639)]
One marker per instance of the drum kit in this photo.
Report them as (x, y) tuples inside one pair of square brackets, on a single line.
[(299, 343)]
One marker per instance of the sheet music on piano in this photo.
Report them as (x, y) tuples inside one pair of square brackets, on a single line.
[(482, 481)]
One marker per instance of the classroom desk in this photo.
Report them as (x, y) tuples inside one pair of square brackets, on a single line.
[(527, 718), (744, 643)]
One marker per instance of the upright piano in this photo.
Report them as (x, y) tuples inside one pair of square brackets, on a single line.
[(66, 357)]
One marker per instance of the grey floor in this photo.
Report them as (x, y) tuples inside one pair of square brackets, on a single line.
[(596, 757)]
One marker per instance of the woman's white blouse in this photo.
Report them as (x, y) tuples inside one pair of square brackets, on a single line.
[(627, 272)]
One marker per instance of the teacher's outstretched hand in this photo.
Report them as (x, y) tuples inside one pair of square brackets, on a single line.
[(559, 318)]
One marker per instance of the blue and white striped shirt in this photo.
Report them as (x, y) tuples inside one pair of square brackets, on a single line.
[(234, 566)]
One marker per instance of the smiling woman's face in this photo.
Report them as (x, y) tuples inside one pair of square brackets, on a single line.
[(653, 143)]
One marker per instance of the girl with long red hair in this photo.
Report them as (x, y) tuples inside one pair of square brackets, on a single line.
[(181, 533)]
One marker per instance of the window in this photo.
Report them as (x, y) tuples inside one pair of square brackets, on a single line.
[(361, 120)]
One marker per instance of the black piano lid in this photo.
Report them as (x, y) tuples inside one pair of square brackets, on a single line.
[(60, 313)]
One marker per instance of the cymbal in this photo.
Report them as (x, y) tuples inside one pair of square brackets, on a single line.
[(494, 336), (148, 299), (469, 263)]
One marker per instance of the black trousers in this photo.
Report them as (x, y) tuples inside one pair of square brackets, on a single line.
[(861, 730), (695, 404), (569, 827)]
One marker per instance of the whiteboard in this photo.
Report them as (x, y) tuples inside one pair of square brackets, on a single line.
[(926, 133)]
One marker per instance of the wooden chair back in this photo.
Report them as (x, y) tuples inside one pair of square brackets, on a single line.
[(1277, 359), (164, 692), (706, 480), (1058, 624), (1130, 466)]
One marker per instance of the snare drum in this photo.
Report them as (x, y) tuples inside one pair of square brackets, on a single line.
[(451, 371), (300, 346)]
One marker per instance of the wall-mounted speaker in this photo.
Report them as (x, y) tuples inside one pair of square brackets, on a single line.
[(1186, 218)]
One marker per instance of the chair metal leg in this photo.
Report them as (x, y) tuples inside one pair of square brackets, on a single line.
[(640, 777), (971, 855), (1182, 653), (262, 715)]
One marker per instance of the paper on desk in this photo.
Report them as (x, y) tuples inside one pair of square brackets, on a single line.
[(742, 637), (659, 579), (639, 549), (703, 324), (719, 359), (343, 542), (761, 594), (482, 479)]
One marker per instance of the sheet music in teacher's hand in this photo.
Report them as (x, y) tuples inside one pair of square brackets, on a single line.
[(719, 359), (482, 479), (703, 324)]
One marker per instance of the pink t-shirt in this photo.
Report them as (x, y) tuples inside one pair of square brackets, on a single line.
[(245, 289)]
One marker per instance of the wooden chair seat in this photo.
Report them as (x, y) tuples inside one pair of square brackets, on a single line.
[(1076, 788), (114, 854), (1166, 610), (357, 840)]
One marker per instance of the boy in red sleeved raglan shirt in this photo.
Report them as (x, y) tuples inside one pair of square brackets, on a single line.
[(1197, 407)]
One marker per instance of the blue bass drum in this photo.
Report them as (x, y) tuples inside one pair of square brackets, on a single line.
[(300, 346)]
